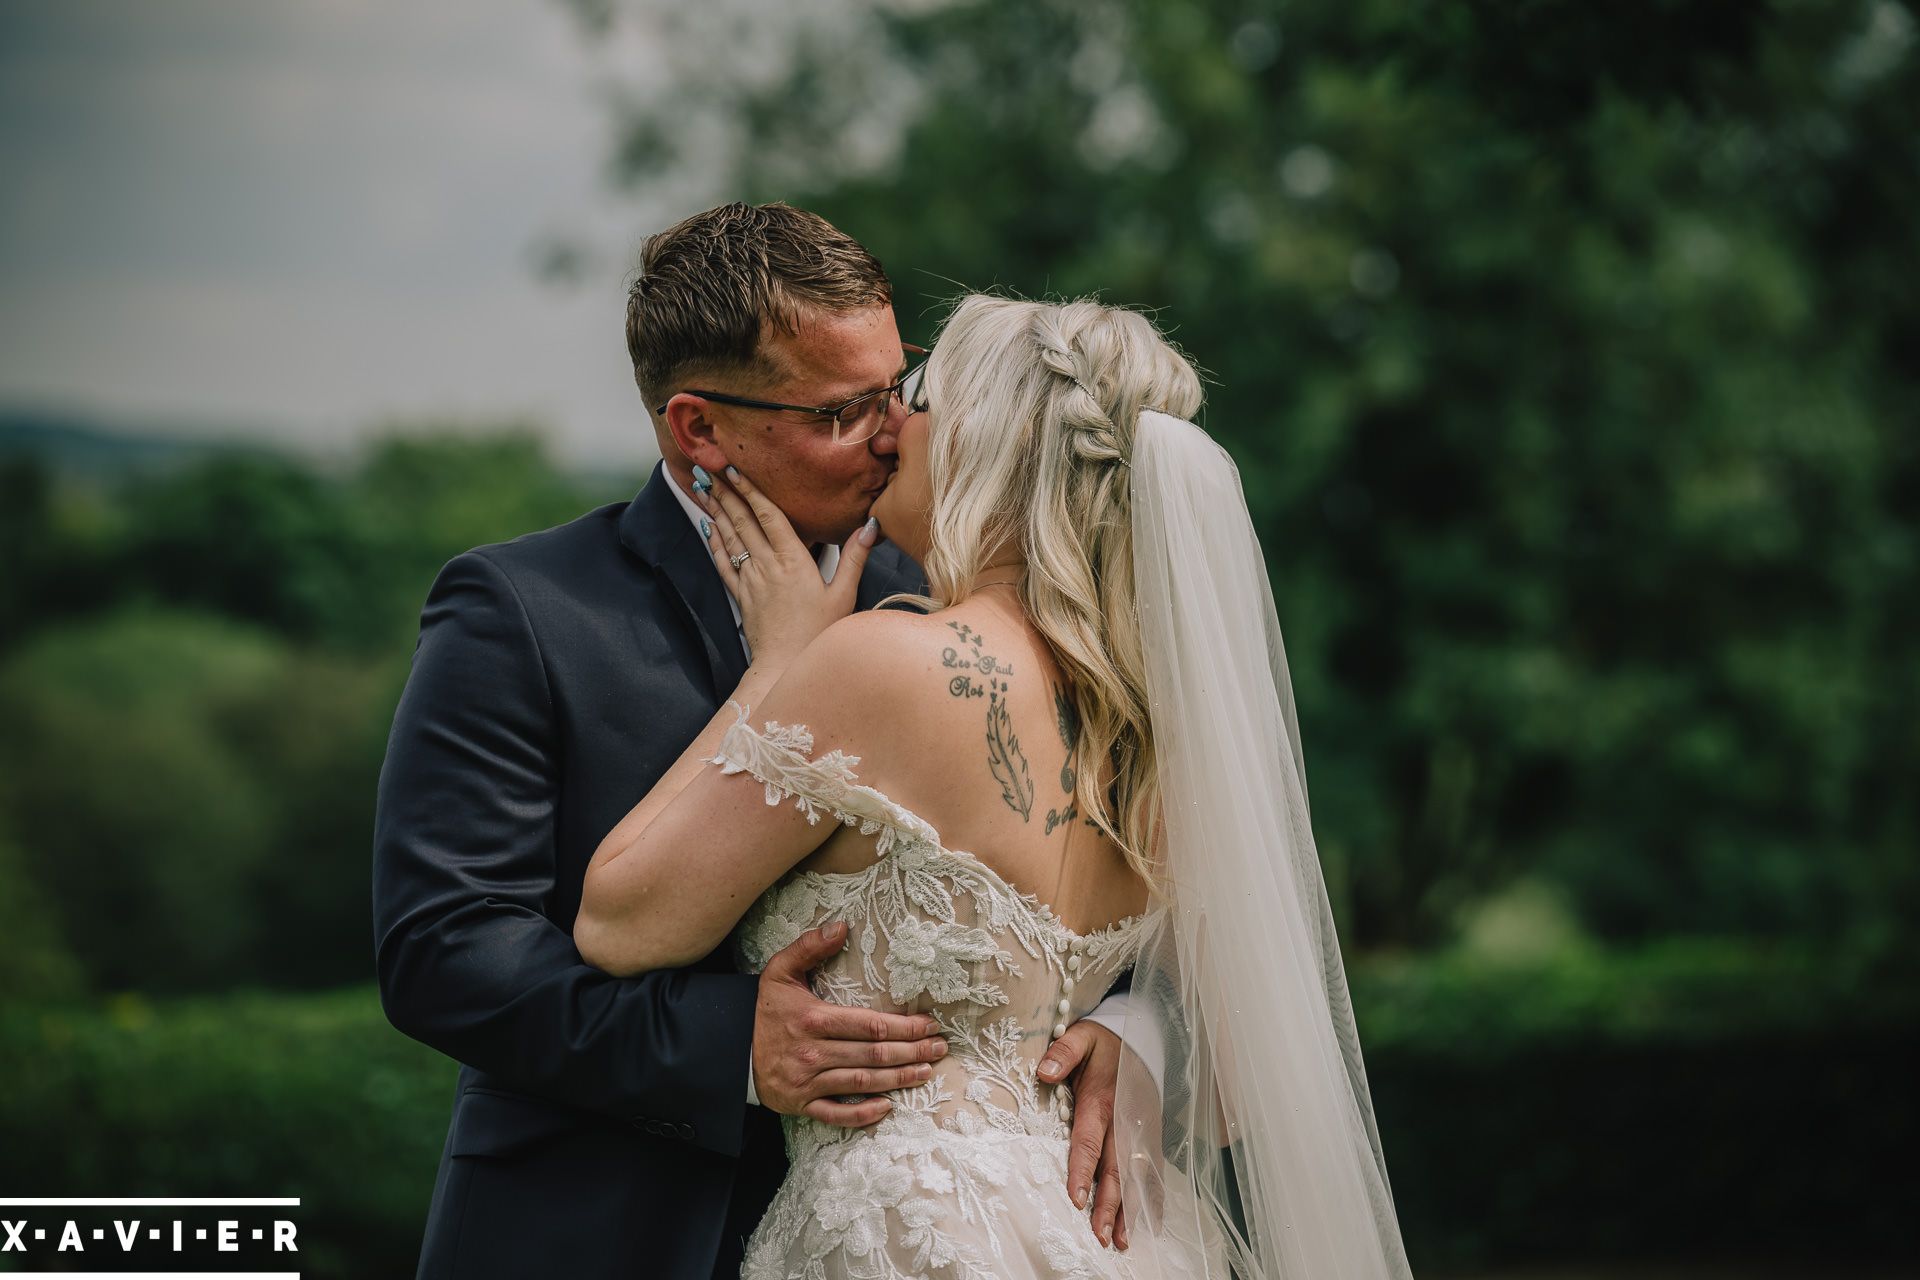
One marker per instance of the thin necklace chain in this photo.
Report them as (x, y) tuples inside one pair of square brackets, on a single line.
[(1019, 614), (1012, 582)]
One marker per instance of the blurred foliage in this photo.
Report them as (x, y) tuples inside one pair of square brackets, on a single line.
[(134, 815), (35, 959), (197, 675), (1721, 1118), (1616, 1114), (196, 797), (1566, 352), (338, 561), (1475, 1008), (1560, 353), (309, 1096)]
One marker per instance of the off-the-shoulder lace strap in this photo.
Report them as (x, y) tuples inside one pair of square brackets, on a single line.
[(779, 757)]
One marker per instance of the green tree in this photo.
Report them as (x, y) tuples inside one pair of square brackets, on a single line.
[(56, 546), (1563, 352), (35, 961), (191, 802), (198, 671), (257, 537), (423, 495), (130, 810)]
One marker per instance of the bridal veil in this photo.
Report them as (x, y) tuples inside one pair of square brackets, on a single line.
[(1249, 1148)]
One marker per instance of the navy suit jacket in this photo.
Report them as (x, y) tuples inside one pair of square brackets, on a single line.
[(600, 1127)]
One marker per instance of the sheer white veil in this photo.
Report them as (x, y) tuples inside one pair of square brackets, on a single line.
[(1248, 1147)]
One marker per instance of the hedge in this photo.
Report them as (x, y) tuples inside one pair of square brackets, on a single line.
[(313, 1096), (1688, 1103), (1684, 1102)]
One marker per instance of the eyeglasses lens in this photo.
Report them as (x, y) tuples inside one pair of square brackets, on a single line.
[(859, 420), (913, 392)]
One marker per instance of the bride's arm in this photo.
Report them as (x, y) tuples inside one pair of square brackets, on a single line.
[(672, 879), (667, 870), (753, 687)]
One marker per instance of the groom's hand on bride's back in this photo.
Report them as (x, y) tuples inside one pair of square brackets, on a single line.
[(1089, 1055), (807, 1052)]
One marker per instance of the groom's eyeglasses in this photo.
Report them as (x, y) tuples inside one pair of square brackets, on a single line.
[(859, 418)]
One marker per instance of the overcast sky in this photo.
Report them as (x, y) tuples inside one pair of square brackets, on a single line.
[(302, 218)]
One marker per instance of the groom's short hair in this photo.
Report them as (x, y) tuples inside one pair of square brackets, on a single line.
[(709, 288)]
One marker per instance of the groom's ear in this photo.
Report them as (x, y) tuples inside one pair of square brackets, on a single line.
[(690, 423)]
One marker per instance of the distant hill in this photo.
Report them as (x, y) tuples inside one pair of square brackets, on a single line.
[(86, 450), (90, 452)]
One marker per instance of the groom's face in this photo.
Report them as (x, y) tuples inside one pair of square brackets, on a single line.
[(825, 488)]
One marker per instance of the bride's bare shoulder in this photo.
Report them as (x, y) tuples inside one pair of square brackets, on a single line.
[(879, 654), (891, 678)]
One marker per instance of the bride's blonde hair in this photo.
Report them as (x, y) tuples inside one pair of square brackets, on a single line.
[(1034, 406)]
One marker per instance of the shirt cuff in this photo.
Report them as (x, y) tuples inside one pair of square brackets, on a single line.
[(753, 1094), (1140, 1034)]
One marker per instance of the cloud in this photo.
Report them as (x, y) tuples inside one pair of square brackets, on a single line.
[(314, 214)]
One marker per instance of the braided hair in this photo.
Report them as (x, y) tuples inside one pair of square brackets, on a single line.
[(1034, 407)]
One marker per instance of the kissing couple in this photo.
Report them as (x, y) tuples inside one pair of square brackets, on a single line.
[(880, 849)]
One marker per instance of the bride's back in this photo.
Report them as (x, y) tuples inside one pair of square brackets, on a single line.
[(972, 886), (972, 730), (970, 892)]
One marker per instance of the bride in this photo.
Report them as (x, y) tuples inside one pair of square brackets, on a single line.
[(1078, 763)]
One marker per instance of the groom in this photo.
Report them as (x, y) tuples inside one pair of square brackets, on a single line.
[(627, 1127)]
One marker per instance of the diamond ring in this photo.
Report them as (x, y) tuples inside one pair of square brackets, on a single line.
[(737, 561)]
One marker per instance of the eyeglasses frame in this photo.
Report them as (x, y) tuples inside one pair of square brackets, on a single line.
[(889, 392)]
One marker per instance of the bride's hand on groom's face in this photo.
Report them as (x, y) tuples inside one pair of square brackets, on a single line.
[(808, 1053), (784, 603)]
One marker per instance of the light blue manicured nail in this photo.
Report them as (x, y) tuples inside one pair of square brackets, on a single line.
[(702, 482), (706, 527)]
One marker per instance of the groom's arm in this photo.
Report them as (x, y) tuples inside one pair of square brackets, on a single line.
[(1092, 1060), (464, 863)]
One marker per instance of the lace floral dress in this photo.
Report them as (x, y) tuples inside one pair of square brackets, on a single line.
[(966, 1176)]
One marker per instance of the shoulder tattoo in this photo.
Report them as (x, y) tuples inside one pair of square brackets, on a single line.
[(1067, 722), (988, 679)]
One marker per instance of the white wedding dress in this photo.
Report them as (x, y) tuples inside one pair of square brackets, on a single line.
[(1243, 1129), (967, 1176)]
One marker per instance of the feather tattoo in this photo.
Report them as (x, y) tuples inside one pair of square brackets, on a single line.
[(1005, 759)]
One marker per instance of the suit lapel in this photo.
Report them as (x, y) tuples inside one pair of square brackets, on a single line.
[(656, 529), (888, 571)]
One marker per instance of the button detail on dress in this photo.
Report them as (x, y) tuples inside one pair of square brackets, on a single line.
[(943, 958)]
